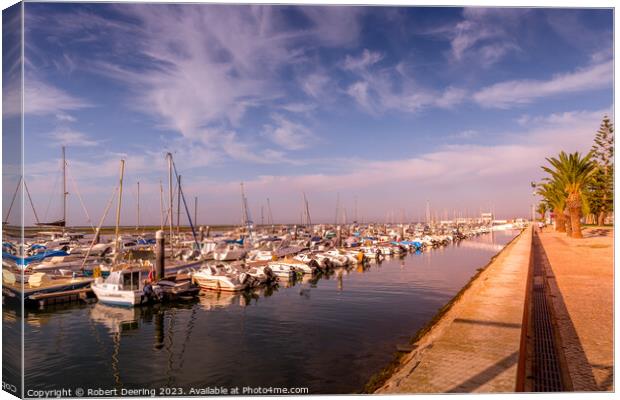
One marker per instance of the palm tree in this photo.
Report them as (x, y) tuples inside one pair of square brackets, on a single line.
[(542, 209), (556, 198), (572, 173)]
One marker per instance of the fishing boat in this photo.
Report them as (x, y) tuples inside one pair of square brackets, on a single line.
[(127, 287)]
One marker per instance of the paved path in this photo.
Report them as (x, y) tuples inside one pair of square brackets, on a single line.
[(583, 301), (475, 346)]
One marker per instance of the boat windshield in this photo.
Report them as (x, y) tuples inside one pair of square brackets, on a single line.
[(131, 280)]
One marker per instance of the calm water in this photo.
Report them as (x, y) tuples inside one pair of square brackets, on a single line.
[(329, 335)]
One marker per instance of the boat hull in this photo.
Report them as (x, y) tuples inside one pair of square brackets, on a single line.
[(127, 298)]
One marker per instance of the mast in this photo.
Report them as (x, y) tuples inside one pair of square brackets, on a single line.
[(244, 219), (308, 220), (269, 216), (118, 210), (161, 205), (138, 227), (337, 208), (64, 187), (195, 210), (169, 157), (178, 204)]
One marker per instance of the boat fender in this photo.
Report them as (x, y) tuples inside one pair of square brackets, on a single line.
[(243, 277)]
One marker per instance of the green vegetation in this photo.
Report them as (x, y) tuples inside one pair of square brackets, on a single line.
[(578, 186), (600, 191)]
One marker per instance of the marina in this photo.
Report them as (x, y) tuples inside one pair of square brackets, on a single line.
[(328, 332)]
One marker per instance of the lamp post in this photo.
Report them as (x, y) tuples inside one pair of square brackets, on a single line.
[(533, 185)]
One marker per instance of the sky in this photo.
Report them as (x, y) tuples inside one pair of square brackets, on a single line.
[(380, 109)]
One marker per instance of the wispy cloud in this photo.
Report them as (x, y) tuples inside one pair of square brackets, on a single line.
[(288, 134), (72, 138), (519, 92), (382, 88), (484, 35), (40, 98)]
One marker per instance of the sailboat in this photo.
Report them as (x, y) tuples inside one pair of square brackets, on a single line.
[(63, 221)]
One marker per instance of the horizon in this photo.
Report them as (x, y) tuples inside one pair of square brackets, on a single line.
[(380, 112)]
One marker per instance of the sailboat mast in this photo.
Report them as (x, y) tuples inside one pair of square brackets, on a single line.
[(161, 205), (64, 187), (170, 213), (269, 215), (118, 210), (138, 227), (195, 210), (337, 208), (178, 204)]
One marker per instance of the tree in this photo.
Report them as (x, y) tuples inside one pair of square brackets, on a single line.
[(555, 197), (542, 210), (600, 191), (573, 174)]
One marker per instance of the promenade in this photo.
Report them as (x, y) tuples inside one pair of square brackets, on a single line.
[(581, 283), (475, 345)]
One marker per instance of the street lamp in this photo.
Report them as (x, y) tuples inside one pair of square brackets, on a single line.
[(533, 185)]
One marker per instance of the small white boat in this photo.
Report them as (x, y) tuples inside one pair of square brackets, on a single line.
[(209, 277), (285, 269), (261, 274), (229, 252), (125, 287), (261, 255), (372, 252)]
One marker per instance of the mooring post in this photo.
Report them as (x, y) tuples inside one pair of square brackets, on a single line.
[(159, 254), (97, 236), (339, 236)]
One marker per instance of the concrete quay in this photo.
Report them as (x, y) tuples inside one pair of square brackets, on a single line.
[(475, 346)]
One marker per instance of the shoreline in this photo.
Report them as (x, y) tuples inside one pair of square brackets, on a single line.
[(426, 334)]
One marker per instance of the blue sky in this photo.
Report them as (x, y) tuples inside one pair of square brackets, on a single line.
[(392, 106)]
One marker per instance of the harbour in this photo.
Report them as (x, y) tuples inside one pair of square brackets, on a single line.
[(328, 332)]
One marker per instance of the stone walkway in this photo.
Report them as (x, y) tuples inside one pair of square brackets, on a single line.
[(583, 301), (475, 345)]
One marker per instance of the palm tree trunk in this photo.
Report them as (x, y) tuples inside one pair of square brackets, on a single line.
[(559, 221), (575, 223), (601, 218), (573, 203), (568, 224)]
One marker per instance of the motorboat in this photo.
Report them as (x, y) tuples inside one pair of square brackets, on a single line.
[(286, 269), (261, 274), (209, 277), (229, 252)]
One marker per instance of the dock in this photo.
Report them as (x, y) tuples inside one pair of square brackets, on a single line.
[(475, 345)]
